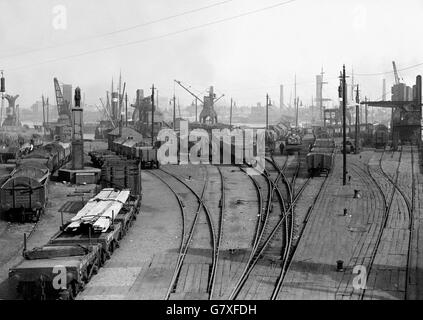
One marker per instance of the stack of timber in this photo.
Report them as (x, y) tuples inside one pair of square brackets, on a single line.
[(100, 211)]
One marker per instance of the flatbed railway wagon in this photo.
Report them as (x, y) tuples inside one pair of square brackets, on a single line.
[(78, 249)]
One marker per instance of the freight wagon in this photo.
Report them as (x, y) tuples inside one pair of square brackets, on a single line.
[(321, 157), (324, 143), (381, 136), (319, 162), (24, 194), (293, 143), (132, 149), (79, 249), (53, 156)]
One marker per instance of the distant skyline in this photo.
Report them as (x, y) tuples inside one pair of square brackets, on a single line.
[(242, 55)]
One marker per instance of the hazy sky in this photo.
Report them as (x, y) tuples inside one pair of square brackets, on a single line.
[(243, 58)]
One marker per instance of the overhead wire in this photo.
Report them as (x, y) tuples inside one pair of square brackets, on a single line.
[(247, 13), (103, 35)]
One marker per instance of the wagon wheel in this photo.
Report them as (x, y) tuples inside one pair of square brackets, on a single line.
[(36, 216), (68, 294), (102, 258), (113, 246), (71, 291)]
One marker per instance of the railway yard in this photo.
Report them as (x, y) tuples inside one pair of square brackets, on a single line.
[(219, 232), (278, 238)]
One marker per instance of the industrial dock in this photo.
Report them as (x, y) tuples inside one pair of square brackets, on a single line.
[(134, 185)]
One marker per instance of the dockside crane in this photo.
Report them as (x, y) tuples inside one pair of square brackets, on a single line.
[(397, 79), (189, 91), (62, 105)]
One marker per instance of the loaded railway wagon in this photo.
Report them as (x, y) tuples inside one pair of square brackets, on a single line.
[(132, 149), (80, 247), (293, 143), (53, 156)]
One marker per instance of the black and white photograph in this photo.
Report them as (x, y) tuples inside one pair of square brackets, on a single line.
[(211, 154)]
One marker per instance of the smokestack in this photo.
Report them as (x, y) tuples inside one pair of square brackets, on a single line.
[(281, 102), (418, 91)]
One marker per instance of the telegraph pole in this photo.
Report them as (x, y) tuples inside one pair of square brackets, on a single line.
[(357, 119), (126, 109), (2, 91), (196, 106), (366, 113), (267, 111), (174, 112), (48, 110), (296, 102), (367, 125), (230, 117), (44, 116), (152, 115), (344, 126)]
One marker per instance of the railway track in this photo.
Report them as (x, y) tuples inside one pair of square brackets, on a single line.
[(410, 206), (220, 231), (188, 234), (266, 231), (292, 245), (388, 200), (413, 197), (387, 203)]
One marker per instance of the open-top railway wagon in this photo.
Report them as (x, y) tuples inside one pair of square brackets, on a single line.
[(321, 157), (76, 252), (53, 156), (324, 143), (132, 149), (293, 142), (321, 133), (23, 195), (319, 162)]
